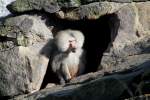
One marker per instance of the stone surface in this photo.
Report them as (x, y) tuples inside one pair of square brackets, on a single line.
[(95, 87), (144, 15), (119, 1), (141, 97), (20, 6), (126, 31), (52, 6), (69, 3), (89, 11), (131, 41), (25, 44)]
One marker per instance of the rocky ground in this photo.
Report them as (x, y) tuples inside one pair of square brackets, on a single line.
[(117, 41)]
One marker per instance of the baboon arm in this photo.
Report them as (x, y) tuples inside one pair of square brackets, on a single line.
[(65, 72)]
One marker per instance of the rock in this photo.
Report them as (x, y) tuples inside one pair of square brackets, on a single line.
[(20, 6), (110, 87), (131, 41), (119, 1), (122, 1), (95, 10), (50, 85), (89, 11), (24, 52), (71, 9), (140, 0), (144, 16), (69, 3), (141, 97)]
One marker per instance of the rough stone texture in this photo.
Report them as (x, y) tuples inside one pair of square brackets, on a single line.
[(25, 44), (144, 15), (69, 3), (52, 6), (126, 31), (89, 11), (132, 41), (95, 87), (72, 9), (119, 1), (28, 5), (141, 97)]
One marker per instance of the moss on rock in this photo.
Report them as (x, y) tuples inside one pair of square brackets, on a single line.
[(22, 41), (4, 30), (20, 6)]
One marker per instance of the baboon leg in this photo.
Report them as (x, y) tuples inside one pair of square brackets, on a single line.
[(62, 81)]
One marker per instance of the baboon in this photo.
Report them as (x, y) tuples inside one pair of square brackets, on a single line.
[(68, 59)]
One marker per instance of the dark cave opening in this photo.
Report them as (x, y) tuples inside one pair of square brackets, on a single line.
[(98, 36)]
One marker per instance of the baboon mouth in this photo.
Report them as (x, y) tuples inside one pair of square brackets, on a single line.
[(73, 50)]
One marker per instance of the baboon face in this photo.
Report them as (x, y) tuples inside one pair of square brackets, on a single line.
[(69, 40), (72, 45)]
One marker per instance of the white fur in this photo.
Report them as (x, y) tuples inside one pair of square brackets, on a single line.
[(63, 36), (63, 62)]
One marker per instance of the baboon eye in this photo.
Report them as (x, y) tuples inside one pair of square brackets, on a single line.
[(72, 41)]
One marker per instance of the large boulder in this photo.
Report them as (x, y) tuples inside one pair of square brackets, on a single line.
[(20, 6), (95, 87), (76, 9), (24, 49), (130, 42)]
